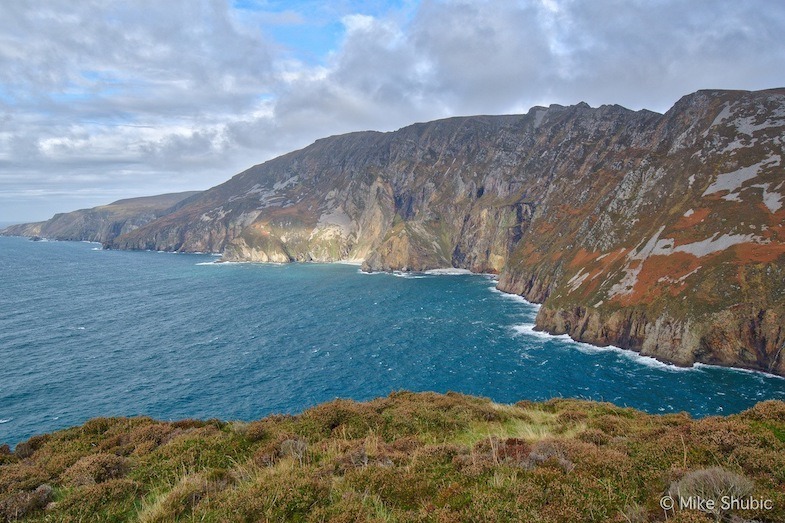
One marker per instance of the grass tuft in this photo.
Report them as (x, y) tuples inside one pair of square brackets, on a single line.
[(407, 457)]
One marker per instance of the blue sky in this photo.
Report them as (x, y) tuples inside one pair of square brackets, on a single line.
[(102, 100), (310, 30)]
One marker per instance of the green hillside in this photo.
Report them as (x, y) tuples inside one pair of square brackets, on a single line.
[(407, 457)]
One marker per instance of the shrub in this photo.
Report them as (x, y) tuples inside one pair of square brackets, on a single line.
[(257, 431), (495, 451), (97, 426), (27, 448), (21, 476), (21, 504), (293, 448), (572, 416), (594, 436), (186, 495), (112, 501), (95, 468), (711, 484), (771, 410), (408, 457), (549, 451), (285, 447)]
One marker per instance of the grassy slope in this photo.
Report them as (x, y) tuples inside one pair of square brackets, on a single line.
[(407, 457)]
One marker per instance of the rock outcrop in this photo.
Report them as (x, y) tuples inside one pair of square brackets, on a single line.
[(657, 233), (660, 233), (102, 224)]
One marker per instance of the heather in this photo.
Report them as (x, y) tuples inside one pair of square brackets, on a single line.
[(405, 457)]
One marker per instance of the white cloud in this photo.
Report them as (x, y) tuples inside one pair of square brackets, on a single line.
[(103, 97)]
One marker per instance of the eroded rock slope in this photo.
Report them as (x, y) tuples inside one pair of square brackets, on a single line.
[(657, 233)]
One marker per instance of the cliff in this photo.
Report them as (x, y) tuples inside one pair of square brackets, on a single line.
[(103, 223), (657, 233), (407, 457)]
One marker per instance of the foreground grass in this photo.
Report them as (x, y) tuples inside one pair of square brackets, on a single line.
[(407, 457)]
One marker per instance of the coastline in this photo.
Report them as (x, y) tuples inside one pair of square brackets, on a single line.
[(531, 329), (454, 271)]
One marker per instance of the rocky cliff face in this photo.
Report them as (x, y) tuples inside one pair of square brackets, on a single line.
[(672, 247), (104, 223), (657, 233)]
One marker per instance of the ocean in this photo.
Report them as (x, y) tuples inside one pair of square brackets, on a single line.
[(86, 332)]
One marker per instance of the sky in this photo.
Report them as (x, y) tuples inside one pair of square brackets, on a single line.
[(102, 100)]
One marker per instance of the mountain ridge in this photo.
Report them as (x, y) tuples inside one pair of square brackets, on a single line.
[(660, 233), (105, 222)]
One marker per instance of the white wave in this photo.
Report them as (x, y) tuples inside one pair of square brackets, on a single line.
[(5, 420), (528, 329), (586, 348), (350, 262), (514, 297), (95, 248), (219, 263), (397, 274), (448, 271), (409, 275), (736, 369)]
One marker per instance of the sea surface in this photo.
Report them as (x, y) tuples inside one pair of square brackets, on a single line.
[(86, 332)]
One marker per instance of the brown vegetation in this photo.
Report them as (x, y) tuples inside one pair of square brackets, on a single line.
[(407, 457)]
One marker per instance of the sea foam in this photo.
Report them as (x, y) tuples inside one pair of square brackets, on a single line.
[(514, 297), (356, 263), (744, 371), (449, 271), (586, 348)]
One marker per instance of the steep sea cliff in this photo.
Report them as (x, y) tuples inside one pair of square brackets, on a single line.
[(659, 233)]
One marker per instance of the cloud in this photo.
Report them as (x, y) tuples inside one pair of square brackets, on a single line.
[(111, 99)]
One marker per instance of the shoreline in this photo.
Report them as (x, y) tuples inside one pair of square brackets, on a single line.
[(454, 271), (643, 359)]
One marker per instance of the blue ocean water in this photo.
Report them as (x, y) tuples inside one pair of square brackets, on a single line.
[(86, 332)]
